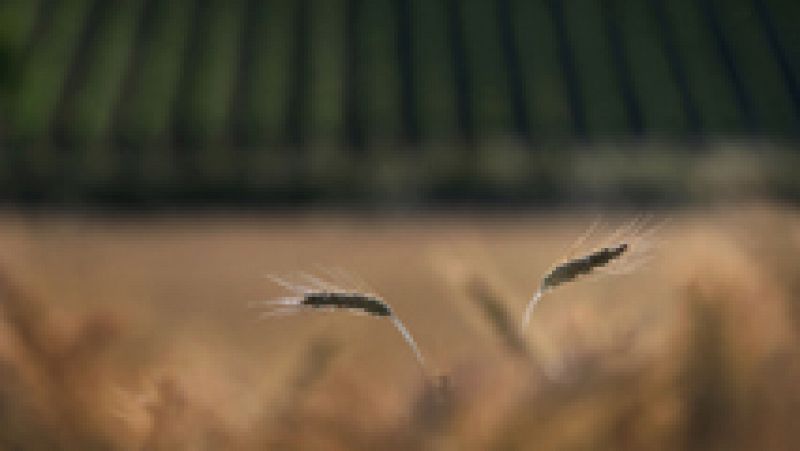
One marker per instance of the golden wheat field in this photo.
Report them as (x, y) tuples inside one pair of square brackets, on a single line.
[(138, 333)]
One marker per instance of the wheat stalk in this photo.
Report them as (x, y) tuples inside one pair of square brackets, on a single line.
[(598, 260), (314, 293), (571, 270)]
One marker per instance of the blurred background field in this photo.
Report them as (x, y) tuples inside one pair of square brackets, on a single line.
[(142, 102), (136, 335)]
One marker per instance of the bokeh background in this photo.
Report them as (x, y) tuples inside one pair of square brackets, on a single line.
[(158, 158), (401, 102)]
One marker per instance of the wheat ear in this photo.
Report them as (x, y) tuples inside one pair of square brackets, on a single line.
[(598, 260), (570, 270), (312, 293)]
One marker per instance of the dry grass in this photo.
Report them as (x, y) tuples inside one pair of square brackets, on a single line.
[(136, 335)]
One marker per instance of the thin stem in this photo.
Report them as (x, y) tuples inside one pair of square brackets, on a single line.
[(526, 318), (411, 342)]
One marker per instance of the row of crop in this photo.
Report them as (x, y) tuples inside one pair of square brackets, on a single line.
[(209, 73)]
